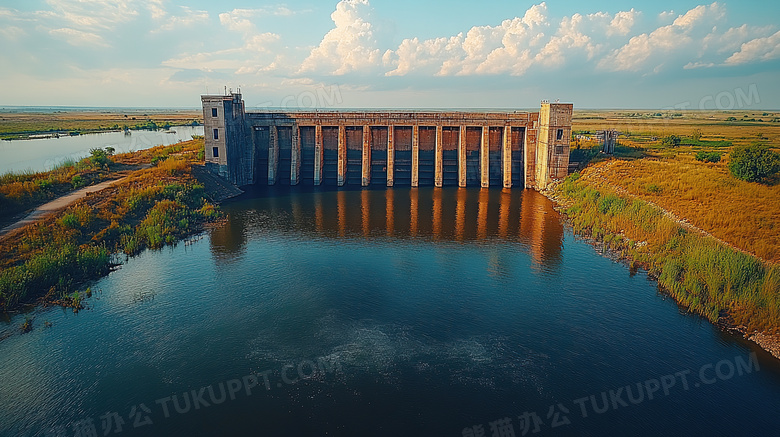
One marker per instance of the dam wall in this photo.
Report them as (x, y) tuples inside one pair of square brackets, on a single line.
[(510, 149)]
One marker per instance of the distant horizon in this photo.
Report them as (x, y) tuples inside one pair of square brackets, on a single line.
[(6, 108)]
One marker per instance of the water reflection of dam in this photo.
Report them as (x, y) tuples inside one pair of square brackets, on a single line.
[(446, 215)]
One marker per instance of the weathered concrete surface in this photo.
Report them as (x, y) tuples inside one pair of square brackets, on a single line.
[(240, 154), (217, 189)]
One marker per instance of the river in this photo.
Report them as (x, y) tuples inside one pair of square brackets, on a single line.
[(44, 153), (447, 312)]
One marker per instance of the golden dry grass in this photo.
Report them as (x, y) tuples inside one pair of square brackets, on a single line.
[(743, 214), (712, 124)]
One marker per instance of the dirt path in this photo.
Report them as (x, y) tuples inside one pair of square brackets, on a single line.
[(57, 204)]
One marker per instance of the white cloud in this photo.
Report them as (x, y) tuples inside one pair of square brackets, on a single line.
[(512, 47), (640, 49), (157, 9), (428, 55), (757, 50), (6, 13), (261, 42), (222, 59), (237, 20), (569, 36), (350, 46), (251, 57), (93, 14), (505, 48), (622, 23), (712, 12), (694, 65), (78, 38), (12, 33), (187, 18)]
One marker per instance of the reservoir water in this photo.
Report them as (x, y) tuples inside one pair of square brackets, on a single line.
[(446, 312), (43, 154)]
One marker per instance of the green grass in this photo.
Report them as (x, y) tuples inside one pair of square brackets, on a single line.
[(702, 274), (686, 141), (22, 190), (58, 266), (154, 208)]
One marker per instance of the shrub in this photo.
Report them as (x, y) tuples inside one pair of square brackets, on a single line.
[(77, 181), (99, 157), (70, 221), (653, 188), (671, 141), (708, 156), (44, 184), (158, 159), (754, 163)]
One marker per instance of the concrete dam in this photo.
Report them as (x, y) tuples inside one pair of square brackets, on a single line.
[(510, 149)]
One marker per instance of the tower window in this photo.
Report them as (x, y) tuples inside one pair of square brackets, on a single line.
[(213, 112), (215, 152), (559, 150), (216, 134), (560, 134)]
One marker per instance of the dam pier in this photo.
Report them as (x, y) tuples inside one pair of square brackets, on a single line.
[(510, 149)]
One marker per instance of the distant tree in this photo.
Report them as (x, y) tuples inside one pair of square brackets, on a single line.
[(671, 141), (708, 156), (754, 163), (696, 136)]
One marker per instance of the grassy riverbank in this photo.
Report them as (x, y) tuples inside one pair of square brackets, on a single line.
[(708, 277), (20, 191), (153, 207)]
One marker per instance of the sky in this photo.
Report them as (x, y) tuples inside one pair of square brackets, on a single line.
[(391, 53)]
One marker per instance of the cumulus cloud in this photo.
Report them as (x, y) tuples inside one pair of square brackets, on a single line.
[(712, 12), (505, 48), (622, 23), (640, 49), (428, 55), (350, 46), (757, 50), (512, 47), (570, 39)]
